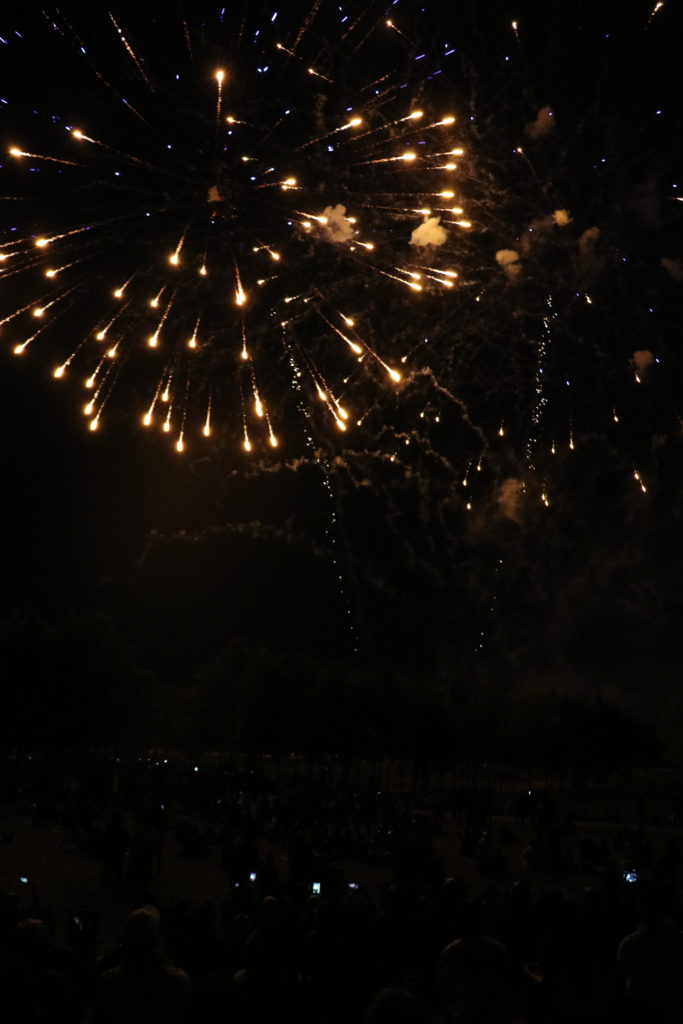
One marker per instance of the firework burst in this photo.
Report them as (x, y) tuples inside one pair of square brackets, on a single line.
[(330, 227), (201, 208)]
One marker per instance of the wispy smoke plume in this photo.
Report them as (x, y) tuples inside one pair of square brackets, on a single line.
[(510, 499), (588, 240), (588, 250)]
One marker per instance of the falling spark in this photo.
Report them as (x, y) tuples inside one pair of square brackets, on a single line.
[(240, 295), (192, 343), (219, 76), (19, 153)]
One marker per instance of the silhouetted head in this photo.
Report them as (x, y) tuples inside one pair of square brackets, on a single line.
[(142, 930), (393, 1006), (33, 938)]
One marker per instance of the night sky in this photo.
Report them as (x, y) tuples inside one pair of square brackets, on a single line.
[(368, 549)]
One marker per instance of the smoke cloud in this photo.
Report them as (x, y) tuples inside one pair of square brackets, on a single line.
[(430, 232), (540, 228), (673, 267), (543, 125), (642, 359), (508, 260), (338, 228), (561, 218)]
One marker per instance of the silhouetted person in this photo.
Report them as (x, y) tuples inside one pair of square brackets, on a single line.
[(115, 840), (144, 987), (39, 982), (266, 989), (650, 964), (474, 974), (394, 1006)]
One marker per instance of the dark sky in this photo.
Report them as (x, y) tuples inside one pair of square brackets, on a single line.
[(365, 549)]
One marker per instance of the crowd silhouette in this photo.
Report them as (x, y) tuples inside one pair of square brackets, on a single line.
[(549, 923)]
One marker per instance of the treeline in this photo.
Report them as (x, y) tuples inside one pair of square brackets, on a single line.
[(76, 682)]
